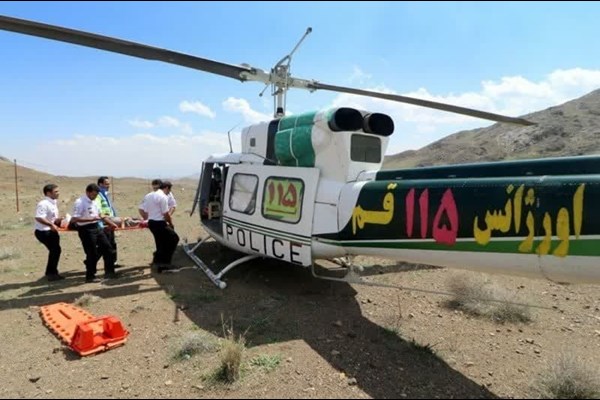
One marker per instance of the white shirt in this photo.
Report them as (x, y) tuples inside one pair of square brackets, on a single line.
[(48, 209), (156, 204), (171, 200), (142, 205), (85, 208)]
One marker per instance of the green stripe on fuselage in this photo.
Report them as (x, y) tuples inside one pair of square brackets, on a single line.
[(577, 247)]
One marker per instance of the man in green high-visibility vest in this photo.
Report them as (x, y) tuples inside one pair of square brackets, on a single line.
[(106, 210)]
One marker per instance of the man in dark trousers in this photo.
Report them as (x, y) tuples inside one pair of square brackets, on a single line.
[(46, 231), (86, 217), (156, 207), (106, 209)]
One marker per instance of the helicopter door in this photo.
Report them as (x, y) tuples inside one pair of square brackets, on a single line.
[(269, 210)]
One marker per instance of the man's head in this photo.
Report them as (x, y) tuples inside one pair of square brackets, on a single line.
[(156, 184), (51, 190), (166, 186), (104, 182), (91, 191)]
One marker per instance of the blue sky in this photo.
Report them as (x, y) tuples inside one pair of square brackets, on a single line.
[(75, 111)]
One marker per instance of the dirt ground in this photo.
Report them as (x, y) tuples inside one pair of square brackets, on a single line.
[(305, 337)]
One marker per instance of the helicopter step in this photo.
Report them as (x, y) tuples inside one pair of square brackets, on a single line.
[(341, 269), (215, 278)]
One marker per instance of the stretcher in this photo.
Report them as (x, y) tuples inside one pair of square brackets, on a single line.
[(81, 331), (123, 224)]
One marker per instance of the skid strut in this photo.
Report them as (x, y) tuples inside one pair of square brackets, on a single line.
[(215, 278)]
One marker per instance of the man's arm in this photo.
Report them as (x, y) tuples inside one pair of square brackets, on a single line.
[(77, 214), (143, 213), (45, 221), (85, 219), (39, 217), (109, 223), (142, 208), (168, 219), (171, 203), (164, 208)]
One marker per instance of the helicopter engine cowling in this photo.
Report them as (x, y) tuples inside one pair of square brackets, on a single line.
[(378, 124), (345, 119)]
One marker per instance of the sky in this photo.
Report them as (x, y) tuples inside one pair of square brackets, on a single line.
[(76, 111)]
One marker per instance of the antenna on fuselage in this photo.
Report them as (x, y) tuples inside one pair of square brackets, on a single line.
[(280, 86), (229, 137)]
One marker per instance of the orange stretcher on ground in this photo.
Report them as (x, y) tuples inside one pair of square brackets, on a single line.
[(81, 331)]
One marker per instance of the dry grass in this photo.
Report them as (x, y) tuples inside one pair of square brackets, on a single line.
[(193, 343), (86, 299), (8, 253), (15, 224), (482, 298), (266, 362), (569, 377), (230, 356)]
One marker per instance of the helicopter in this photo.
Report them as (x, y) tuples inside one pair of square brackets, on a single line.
[(310, 187)]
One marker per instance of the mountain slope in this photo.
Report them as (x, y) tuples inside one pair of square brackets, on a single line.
[(572, 128)]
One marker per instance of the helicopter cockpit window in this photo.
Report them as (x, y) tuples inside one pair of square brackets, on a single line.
[(243, 193), (365, 148), (282, 199)]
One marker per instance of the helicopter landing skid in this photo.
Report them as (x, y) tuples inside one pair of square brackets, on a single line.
[(215, 278)]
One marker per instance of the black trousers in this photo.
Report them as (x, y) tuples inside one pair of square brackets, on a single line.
[(166, 240), (110, 235), (51, 240), (96, 245)]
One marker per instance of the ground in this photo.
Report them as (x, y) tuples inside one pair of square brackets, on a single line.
[(305, 337)]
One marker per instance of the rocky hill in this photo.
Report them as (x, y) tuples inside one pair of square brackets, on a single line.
[(572, 128)]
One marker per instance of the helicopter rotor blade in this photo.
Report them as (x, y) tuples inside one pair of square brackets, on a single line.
[(115, 45), (419, 102), (241, 72)]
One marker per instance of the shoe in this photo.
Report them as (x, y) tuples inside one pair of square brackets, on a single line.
[(92, 280), (112, 275), (169, 267), (119, 266), (54, 277), (161, 267)]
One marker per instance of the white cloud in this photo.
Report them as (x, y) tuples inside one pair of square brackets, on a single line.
[(182, 151), (198, 108), (142, 155), (169, 122), (241, 106), (358, 76), (187, 129), (513, 96), (137, 123)]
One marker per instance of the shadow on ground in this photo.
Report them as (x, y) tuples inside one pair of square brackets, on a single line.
[(275, 302), (41, 292)]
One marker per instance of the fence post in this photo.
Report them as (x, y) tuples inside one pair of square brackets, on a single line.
[(16, 186)]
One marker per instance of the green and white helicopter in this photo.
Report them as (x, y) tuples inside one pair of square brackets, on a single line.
[(310, 186)]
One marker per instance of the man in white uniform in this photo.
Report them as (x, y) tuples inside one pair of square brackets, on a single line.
[(171, 202), (156, 208), (86, 216), (46, 231)]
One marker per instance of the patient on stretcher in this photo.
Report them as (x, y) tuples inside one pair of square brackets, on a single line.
[(129, 222), (121, 222)]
